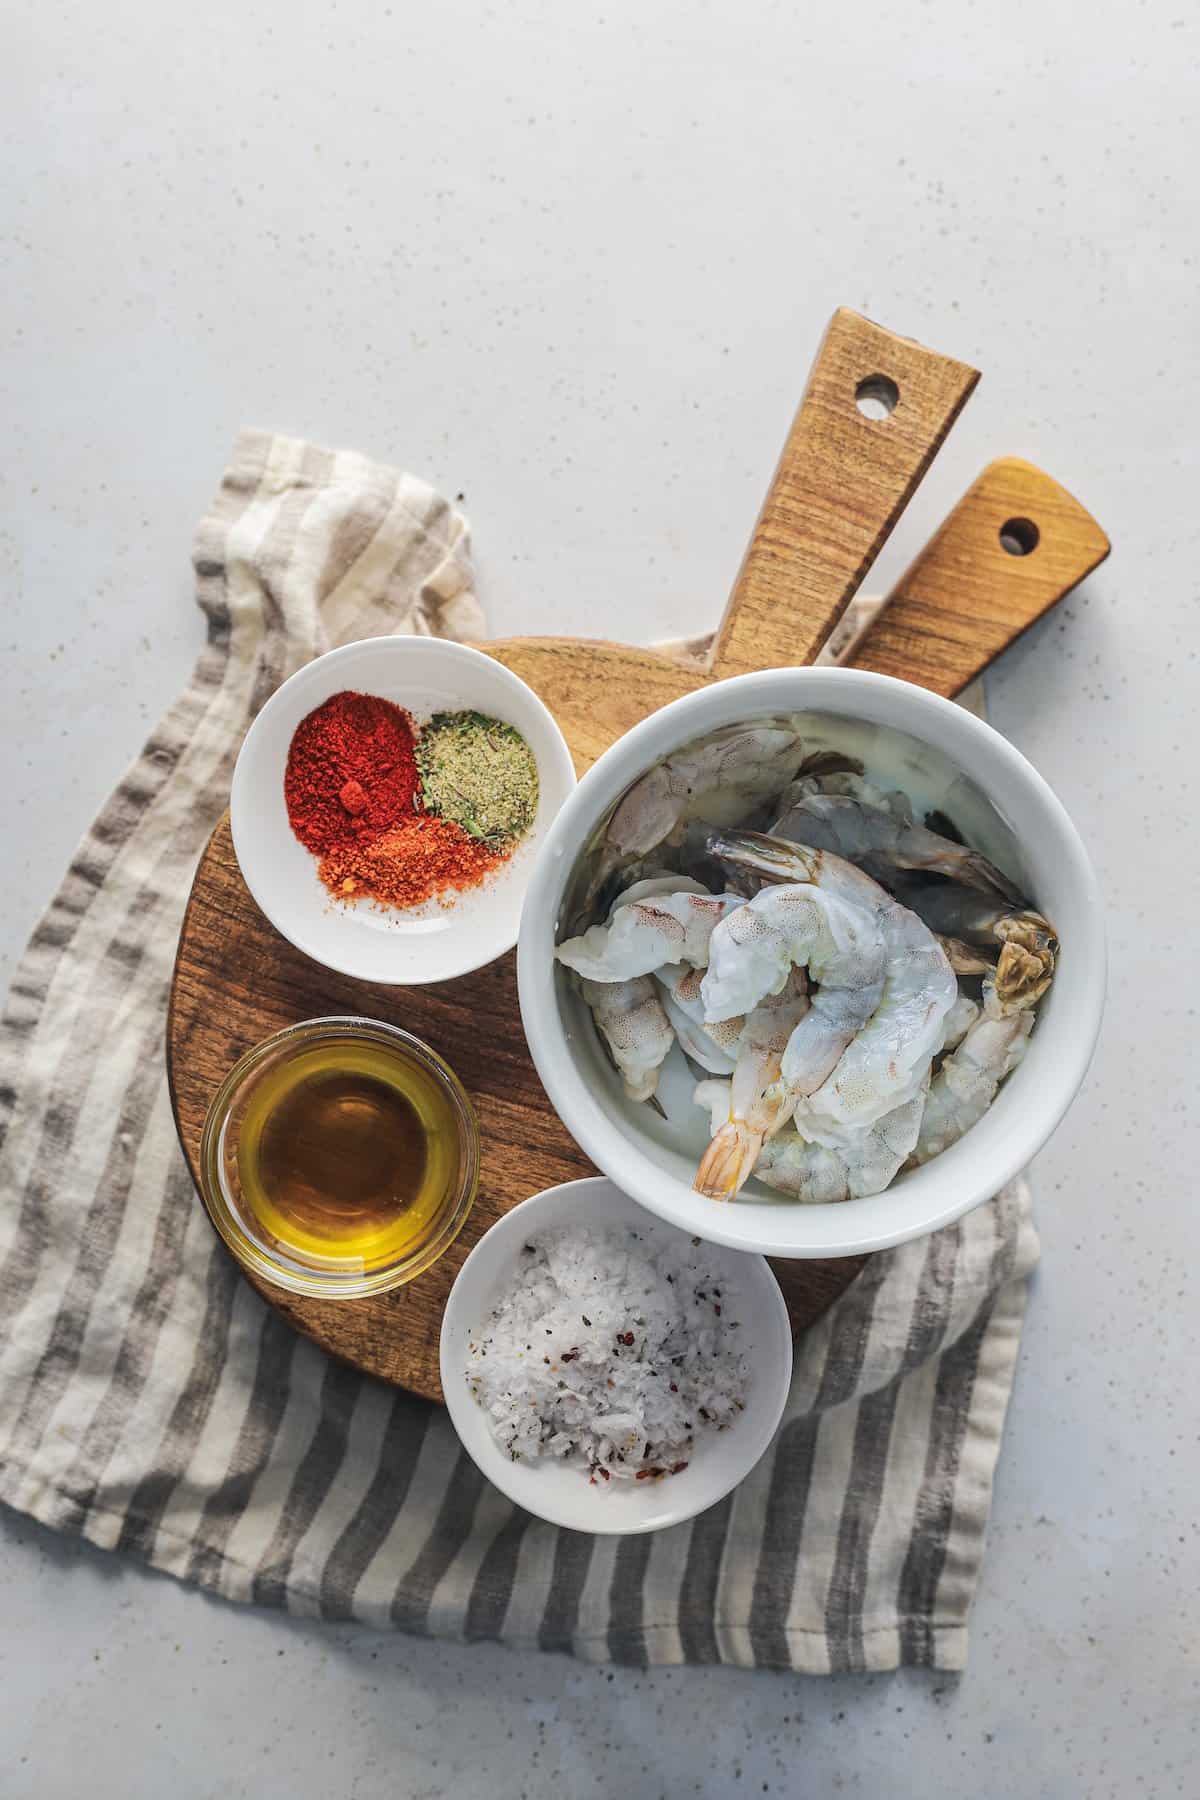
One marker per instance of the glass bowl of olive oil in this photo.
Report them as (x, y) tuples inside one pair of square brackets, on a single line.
[(340, 1158)]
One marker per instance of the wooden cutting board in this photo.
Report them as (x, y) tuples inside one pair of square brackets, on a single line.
[(841, 484)]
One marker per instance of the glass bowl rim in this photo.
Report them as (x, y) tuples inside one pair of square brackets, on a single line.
[(254, 1257)]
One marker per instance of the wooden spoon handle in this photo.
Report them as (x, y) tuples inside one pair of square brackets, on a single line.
[(842, 482), (1014, 545)]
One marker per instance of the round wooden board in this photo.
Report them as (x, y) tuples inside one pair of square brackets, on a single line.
[(237, 980), (841, 483)]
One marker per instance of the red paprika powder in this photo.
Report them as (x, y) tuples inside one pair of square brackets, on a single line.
[(351, 772)]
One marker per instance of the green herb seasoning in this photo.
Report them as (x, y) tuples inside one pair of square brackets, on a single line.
[(479, 773)]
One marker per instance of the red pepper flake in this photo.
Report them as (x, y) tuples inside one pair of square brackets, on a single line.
[(570, 1356), (678, 1468)]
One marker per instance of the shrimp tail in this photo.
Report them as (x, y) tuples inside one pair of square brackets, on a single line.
[(729, 1161)]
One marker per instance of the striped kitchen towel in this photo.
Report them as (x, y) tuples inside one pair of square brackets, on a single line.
[(150, 1402)]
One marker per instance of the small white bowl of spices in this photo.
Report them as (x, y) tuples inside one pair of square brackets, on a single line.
[(607, 1371), (388, 805)]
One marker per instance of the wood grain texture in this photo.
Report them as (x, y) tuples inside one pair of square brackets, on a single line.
[(965, 598), (228, 949), (842, 482)]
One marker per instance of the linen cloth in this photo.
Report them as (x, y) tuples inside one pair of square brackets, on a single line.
[(151, 1402)]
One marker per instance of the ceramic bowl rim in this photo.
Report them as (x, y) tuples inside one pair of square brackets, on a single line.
[(773, 1368), (968, 742), (242, 802)]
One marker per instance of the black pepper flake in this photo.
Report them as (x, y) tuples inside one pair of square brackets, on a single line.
[(585, 1318)]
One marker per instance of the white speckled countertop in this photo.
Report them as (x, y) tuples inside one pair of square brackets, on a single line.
[(571, 263)]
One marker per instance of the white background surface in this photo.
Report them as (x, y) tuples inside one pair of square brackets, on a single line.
[(571, 262)]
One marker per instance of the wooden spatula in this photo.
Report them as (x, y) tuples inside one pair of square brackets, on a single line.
[(1013, 546), (876, 410)]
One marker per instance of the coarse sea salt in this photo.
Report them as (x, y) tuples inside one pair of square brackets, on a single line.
[(613, 1348)]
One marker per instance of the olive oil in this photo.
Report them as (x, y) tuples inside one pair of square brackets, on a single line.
[(347, 1154)]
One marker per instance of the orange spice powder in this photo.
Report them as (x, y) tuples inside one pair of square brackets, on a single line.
[(413, 860)]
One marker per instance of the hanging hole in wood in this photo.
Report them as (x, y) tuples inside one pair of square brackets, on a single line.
[(1019, 536), (876, 396)]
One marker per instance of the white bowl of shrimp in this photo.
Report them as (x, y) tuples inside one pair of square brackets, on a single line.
[(812, 962)]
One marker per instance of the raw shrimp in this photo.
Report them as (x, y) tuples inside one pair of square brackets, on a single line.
[(848, 1167), (723, 774), (965, 959), (862, 1163), (882, 843), (751, 958), (643, 934), (1027, 942), (966, 1084), (850, 785), (887, 1056), (630, 1018), (758, 1101), (714, 1047), (959, 1020)]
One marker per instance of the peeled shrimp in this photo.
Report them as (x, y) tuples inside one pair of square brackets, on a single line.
[(959, 1020), (966, 1083), (630, 1018), (723, 775), (1027, 942), (887, 1056), (643, 934), (848, 1167), (754, 950), (881, 843), (714, 1047), (863, 1163), (758, 1101)]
